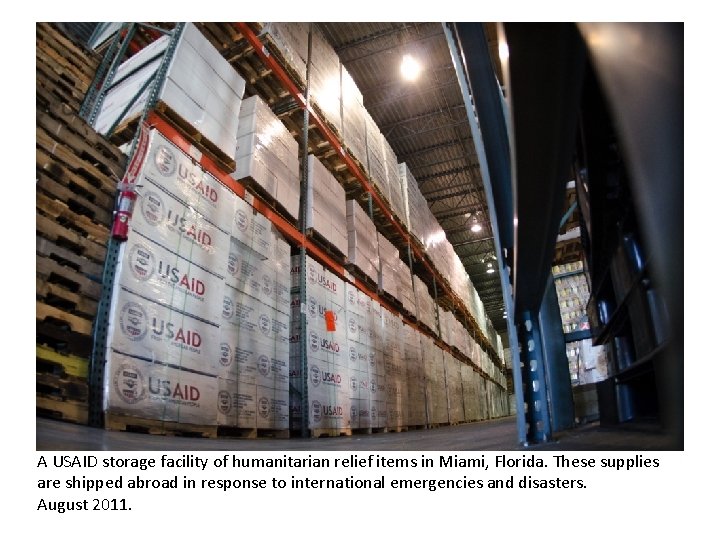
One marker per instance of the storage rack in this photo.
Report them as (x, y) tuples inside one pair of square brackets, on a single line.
[(296, 235)]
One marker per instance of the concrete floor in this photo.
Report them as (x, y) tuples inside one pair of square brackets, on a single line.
[(499, 435)]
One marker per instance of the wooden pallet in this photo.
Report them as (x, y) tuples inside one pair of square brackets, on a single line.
[(329, 247), (396, 429), (120, 422), (67, 157), (358, 273), (69, 411), (53, 273), (66, 258), (62, 319), (69, 129), (61, 214), (256, 190), (222, 160), (67, 54), (61, 339), (417, 427), (55, 363), (60, 297), (330, 432), (65, 388)]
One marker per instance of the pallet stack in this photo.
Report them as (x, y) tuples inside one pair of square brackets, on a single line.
[(76, 175)]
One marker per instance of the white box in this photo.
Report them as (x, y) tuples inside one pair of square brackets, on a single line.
[(251, 229), (139, 388), (151, 331), (236, 404), (152, 271), (164, 218), (273, 408)]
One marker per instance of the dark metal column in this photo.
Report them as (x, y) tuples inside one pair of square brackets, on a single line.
[(533, 389), (557, 370)]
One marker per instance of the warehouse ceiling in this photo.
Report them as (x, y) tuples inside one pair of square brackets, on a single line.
[(426, 124)]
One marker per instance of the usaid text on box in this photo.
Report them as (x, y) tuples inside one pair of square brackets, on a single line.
[(70, 483)]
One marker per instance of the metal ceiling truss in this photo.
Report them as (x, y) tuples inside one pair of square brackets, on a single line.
[(449, 172), (386, 128), (439, 146)]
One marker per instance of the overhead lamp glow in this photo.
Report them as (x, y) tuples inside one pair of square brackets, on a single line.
[(503, 51), (490, 269), (409, 68), (475, 225)]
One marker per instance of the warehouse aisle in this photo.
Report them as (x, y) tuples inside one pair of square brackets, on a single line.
[(492, 435)]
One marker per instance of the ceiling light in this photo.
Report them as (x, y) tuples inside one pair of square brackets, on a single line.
[(490, 269), (475, 225), (409, 68), (503, 51)]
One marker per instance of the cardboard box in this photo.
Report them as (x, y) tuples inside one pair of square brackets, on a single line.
[(163, 217), (154, 272), (144, 389), (236, 404), (273, 408), (143, 328)]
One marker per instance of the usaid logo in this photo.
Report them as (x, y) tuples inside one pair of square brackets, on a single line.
[(352, 325), (352, 296), (353, 353), (316, 410), (373, 386), (142, 262), (267, 285), (314, 341), (225, 354), (371, 359), (165, 161), (264, 324), (264, 407), (228, 308), (312, 273), (152, 208), (241, 220), (133, 321), (373, 412), (233, 265), (312, 307), (315, 375), (263, 365), (224, 403), (353, 383), (128, 384), (353, 413)]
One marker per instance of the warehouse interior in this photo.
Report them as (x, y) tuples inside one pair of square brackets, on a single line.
[(466, 225)]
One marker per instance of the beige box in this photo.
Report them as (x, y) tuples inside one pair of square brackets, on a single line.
[(236, 404), (143, 389), (143, 328)]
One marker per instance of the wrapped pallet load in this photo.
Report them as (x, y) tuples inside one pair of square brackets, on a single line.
[(267, 154), (325, 206), (200, 87)]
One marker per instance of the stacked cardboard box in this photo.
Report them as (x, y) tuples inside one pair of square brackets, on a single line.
[(435, 391), (325, 208), (353, 117), (453, 380), (425, 304), (415, 377), (326, 349), (291, 41), (325, 79), (362, 240), (254, 370), (268, 153), (395, 193), (165, 347), (471, 395), (406, 293), (588, 364), (200, 86), (417, 213), (360, 331), (389, 259), (375, 158), (396, 389)]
